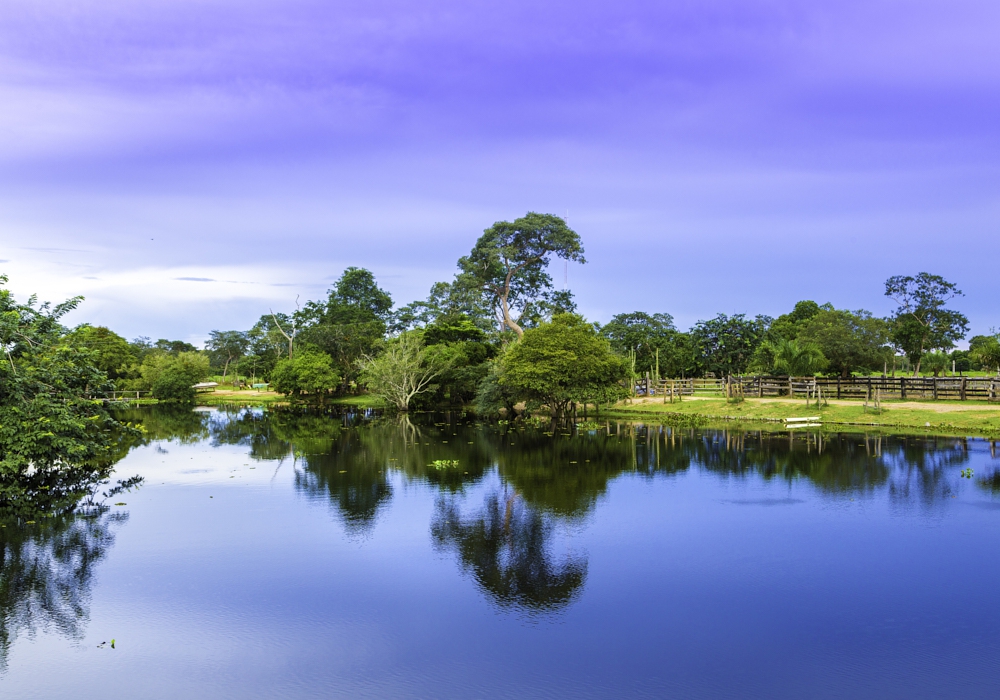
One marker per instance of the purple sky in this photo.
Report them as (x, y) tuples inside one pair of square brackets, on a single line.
[(715, 156)]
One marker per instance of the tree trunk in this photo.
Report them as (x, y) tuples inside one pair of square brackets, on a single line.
[(920, 358), (508, 321)]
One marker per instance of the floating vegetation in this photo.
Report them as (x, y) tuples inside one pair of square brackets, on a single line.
[(589, 425), (967, 473), (444, 464), (683, 420)]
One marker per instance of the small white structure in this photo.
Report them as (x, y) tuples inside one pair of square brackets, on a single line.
[(205, 386)]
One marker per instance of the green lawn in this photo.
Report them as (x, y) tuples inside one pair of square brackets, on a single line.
[(966, 418)]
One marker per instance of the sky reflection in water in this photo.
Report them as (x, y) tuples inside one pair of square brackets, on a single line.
[(294, 555)]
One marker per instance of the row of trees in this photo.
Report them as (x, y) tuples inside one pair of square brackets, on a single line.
[(487, 334)]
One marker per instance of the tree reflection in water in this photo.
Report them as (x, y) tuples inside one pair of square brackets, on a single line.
[(46, 574), (505, 547), (557, 473)]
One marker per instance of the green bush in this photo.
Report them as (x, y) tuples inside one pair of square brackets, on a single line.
[(174, 385), (309, 372), (172, 377), (562, 361), (193, 365)]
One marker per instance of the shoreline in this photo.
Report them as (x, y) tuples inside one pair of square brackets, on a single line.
[(978, 419), (969, 418)]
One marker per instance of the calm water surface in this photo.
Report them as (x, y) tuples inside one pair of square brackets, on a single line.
[(286, 555)]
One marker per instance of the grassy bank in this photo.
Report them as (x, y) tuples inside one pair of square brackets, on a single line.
[(252, 397), (966, 418)]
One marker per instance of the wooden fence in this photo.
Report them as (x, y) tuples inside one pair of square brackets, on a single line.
[(937, 388), (125, 395)]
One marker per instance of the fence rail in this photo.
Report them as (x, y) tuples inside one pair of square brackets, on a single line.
[(122, 395), (938, 388)]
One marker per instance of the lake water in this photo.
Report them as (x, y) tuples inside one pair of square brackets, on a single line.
[(287, 555)]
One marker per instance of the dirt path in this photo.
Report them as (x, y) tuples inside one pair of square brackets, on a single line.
[(939, 407)]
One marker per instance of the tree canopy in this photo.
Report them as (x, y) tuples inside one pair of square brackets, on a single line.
[(725, 344), (508, 263), (561, 361), (788, 326), (226, 347), (351, 322), (921, 321), (850, 341), (986, 351), (656, 342), (114, 355)]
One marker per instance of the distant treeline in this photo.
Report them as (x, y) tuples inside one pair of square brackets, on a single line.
[(452, 346)]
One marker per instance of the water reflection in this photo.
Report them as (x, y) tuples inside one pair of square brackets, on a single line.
[(46, 574), (547, 477), (506, 547), (348, 456)]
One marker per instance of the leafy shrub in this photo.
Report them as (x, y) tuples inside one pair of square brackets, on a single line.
[(174, 385), (309, 372)]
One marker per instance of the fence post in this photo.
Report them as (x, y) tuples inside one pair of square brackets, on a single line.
[(838, 387), (934, 389), (961, 391), (902, 387)]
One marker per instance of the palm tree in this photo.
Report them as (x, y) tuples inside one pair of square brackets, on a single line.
[(988, 354), (796, 359)]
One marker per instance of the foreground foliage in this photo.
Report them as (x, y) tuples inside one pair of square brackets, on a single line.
[(56, 444)]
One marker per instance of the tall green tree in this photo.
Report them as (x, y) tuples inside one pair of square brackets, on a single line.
[(352, 322), (508, 263), (173, 347), (266, 344), (464, 350), (225, 348), (114, 355), (654, 339), (986, 351), (446, 299), (562, 361), (921, 321), (725, 344), (788, 326), (850, 341)]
